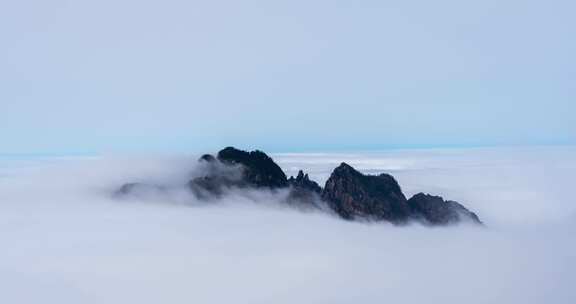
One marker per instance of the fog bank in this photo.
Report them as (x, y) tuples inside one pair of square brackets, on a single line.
[(65, 240)]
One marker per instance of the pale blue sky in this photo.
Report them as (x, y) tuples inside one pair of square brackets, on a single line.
[(136, 75)]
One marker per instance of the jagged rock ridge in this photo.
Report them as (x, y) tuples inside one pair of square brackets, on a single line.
[(302, 181), (354, 195), (303, 189), (348, 193)]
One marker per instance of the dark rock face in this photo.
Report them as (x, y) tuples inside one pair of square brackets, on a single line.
[(349, 193), (434, 210), (212, 186), (207, 158), (303, 190), (260, 170), (216, 179), (353, 195), (139, 189), (233, 168), (302, 181)]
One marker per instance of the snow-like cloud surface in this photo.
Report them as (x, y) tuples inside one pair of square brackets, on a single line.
[(65, 240)]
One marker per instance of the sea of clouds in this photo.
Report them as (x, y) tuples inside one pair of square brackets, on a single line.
[(65, 239)]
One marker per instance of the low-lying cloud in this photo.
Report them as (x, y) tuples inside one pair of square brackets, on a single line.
[(66, 240)]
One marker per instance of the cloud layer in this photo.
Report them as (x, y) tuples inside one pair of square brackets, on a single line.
[(65, 240)]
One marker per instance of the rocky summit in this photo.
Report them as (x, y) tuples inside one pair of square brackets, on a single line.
[(353, 195), (258, 168), (233, 168), (347, 193)]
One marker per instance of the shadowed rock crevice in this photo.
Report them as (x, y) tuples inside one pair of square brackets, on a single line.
[(348, 193)]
